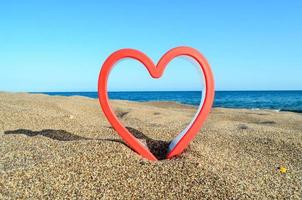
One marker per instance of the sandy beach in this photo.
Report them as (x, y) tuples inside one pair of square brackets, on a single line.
[(54, 147)]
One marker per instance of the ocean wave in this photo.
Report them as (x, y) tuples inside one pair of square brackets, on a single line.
[(291, 110)]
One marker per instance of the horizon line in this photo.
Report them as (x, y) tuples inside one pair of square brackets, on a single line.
[(163, 91)]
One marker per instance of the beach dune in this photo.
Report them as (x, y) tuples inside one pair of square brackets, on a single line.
[(54, 147)]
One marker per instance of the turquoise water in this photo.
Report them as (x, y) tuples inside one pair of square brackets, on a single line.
[(275, 100)]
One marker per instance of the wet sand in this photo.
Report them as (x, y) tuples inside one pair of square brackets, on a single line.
[(63, 147)]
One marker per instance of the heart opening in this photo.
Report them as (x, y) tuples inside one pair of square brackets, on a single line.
[(190, 75)]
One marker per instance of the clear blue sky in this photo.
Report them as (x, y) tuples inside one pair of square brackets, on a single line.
[(56, 46)]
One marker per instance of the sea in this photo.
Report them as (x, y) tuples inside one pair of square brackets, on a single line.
[(273, 100)]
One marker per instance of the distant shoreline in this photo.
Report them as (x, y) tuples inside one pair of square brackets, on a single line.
[(182, 103), (284, 101)]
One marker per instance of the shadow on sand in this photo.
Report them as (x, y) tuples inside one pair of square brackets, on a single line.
[(157, 147)]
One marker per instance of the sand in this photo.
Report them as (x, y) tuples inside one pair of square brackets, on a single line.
[(63, 147)]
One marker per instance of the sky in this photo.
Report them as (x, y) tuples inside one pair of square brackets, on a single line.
[(53, 45)]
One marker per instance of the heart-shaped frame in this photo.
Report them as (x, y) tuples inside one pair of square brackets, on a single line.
[(180, 142)]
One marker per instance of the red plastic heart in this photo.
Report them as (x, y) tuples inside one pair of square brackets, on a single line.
[(183, 139)]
